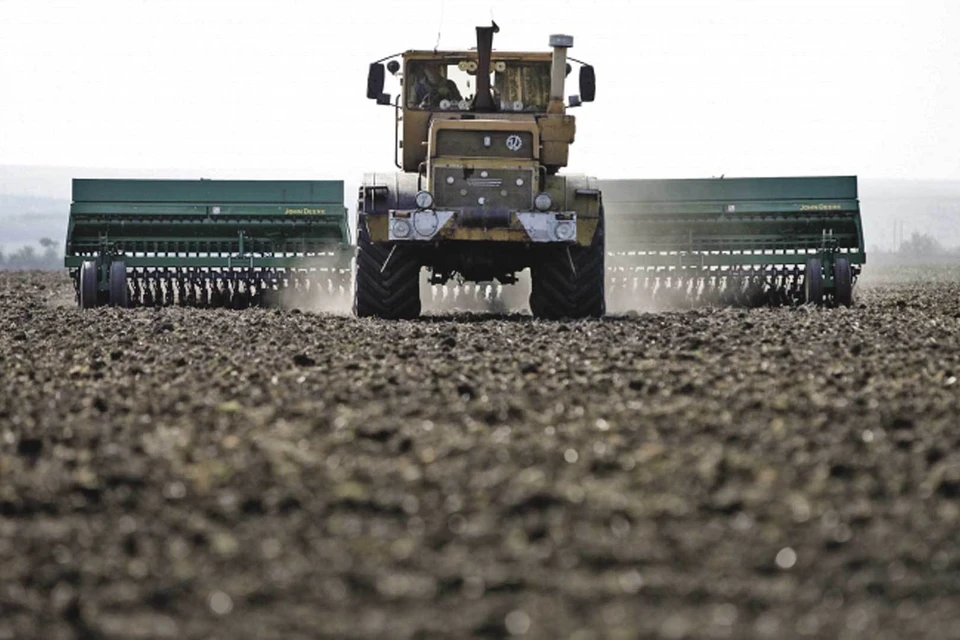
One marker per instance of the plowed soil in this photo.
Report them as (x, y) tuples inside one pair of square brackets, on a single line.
[(710, 473)]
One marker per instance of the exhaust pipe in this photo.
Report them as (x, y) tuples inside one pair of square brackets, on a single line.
[(483, 100), (558, 71)]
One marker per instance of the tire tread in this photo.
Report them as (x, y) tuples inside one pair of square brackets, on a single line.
[(560, 291), (392, 293)]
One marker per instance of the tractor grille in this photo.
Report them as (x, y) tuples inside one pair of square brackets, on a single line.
[(485, 144), (496, 190)]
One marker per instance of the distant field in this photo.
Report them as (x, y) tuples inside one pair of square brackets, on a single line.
[(26, 219), (888, 270)]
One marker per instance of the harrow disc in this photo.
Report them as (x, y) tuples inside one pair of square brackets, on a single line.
[(219, 288), (662, 288)]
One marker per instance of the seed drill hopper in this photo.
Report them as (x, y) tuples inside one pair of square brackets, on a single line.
[(734, 241), (210, 243)]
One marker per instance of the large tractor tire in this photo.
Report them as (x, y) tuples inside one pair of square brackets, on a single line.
[(388, 280), (568, 281)]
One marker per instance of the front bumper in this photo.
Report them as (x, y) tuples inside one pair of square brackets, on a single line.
[(426, 225)]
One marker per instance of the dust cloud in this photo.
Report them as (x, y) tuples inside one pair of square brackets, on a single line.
[(331, 295), (329, 298), (317, 289), (486, 297)]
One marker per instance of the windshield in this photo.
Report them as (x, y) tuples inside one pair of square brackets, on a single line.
[(450, 85)]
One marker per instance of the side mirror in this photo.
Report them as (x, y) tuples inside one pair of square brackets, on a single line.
[(375, 79), (588, 83)]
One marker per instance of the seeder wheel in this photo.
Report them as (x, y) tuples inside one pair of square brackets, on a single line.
[(813, 282), (842, 282), (118, 284), (88, 285)]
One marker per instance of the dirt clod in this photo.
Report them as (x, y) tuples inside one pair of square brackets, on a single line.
[(303, 360)]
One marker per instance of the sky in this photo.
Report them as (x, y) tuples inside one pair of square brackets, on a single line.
[(685, 88)]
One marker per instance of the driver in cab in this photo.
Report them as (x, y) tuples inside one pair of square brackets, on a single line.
[(431, 88)]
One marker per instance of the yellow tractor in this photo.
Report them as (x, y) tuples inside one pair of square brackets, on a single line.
[(481, 136)]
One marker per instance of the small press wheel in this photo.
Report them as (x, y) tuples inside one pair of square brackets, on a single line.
[(813, 282), (88, 285), (842, 282), (118, 284)]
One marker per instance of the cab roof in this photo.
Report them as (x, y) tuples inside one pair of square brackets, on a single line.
[(532, 56)]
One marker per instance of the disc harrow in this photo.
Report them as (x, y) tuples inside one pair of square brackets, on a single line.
[(209, 288), (678, 288)]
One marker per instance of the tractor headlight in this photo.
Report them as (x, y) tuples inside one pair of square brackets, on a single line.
[(543, 202), (425, 223), (565, 230), (424, 200), (401, 229)]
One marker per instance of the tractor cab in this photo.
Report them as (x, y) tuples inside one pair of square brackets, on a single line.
[(518, 87)]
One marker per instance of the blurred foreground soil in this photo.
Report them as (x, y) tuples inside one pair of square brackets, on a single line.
[(710, 473)]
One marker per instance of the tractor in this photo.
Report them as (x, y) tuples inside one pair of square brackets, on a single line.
[(481, 137)]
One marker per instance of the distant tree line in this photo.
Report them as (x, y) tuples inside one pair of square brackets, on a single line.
[(48, 258), (918, 248), (923, 244)]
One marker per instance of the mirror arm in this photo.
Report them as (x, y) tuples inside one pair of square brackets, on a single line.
[(396, 132), (395, 55)]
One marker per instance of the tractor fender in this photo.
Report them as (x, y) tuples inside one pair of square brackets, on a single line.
[(581, 194), (380, 193)]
